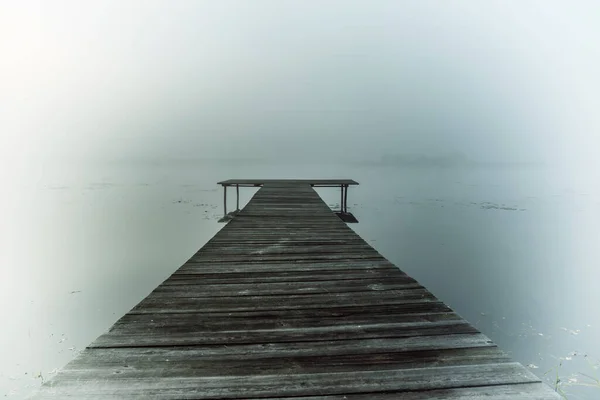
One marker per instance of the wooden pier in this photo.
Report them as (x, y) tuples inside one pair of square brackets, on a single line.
[(287, 302)]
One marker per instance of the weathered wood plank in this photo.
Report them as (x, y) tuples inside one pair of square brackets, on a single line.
[(252, 266), (524, 391), (286, 257), (190, 336), (254, 386), (186, 368), (117, 356), (287, 247), (160, 322), (330, 312), (286, 288), (154, 303), (367, 276)]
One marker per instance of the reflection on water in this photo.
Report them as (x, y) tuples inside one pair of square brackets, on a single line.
[(513, 251)]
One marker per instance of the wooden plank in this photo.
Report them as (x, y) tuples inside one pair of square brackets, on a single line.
[(227, 243), (284, 243), (160, 323), (314, 266), (255, 386), (524, 391), (243, 278), (226, 258), (316, 364), (293, 251), (118, 356), (240, 322), (281, 288), (340, 311), (190, 336), (296, 277), (154, 302)]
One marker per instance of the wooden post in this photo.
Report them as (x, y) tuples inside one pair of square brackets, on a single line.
[(346, 200), (342, 199), (224, 200), (237, 205)]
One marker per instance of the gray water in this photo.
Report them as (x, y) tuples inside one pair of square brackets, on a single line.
[(513, 250)]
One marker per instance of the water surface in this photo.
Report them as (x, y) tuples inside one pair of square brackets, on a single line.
[(513, 250)]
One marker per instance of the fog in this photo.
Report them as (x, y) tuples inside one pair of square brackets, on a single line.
[(131, 96), (354, 80)]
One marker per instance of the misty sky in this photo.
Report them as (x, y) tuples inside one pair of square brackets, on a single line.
[(497, 80)]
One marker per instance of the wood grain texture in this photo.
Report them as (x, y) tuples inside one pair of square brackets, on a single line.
[(287, 302)]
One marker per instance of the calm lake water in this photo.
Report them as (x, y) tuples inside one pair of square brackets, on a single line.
[(513, 250)]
